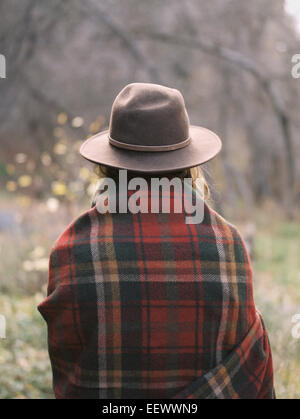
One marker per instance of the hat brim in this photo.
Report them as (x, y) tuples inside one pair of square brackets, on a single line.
[(204, 145)]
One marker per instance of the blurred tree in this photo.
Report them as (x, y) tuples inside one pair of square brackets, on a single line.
[(231, 60)]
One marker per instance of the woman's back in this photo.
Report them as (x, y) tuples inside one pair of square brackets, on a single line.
[(143, 305)]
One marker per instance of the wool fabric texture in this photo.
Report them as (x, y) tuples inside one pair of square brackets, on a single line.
[(148, 306)]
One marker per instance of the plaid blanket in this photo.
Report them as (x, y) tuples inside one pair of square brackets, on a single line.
[(148, 306)]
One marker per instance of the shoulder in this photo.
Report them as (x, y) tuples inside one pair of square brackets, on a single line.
[(72, 248), (227, 233), (77, 231), (219, 222)]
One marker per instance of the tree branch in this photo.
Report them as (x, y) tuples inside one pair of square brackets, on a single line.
[(95, 11), (247, 64)]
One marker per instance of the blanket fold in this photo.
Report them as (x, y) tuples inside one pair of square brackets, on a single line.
[(246, 373)]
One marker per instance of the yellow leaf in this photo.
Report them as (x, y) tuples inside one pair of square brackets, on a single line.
[(62, 118), (25, 181), (84, 173), (60, 148), (59, 188), (11, 186)]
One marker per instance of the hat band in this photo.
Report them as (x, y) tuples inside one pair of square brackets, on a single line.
[(138, 147)]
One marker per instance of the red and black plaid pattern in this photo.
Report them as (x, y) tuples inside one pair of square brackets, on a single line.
[(147, 306)]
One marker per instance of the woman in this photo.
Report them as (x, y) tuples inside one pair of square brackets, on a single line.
[(145, 301)]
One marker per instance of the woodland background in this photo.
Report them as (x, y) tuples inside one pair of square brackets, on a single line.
[(66, 61)]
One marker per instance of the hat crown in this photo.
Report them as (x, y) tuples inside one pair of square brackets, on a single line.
[(145, 114), (149, 132)]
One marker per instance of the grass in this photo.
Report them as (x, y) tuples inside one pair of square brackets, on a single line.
[(277, 295), (24, 365)]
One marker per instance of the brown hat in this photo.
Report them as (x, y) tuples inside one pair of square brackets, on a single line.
[(149, 131)]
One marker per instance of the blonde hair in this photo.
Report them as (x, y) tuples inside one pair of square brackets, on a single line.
[(195, 173), (199, 182)]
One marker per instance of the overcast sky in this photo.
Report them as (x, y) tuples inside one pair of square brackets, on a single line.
[(293, 7)]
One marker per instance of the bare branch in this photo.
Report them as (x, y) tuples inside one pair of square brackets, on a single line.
[(95, 11), (247, 64)]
